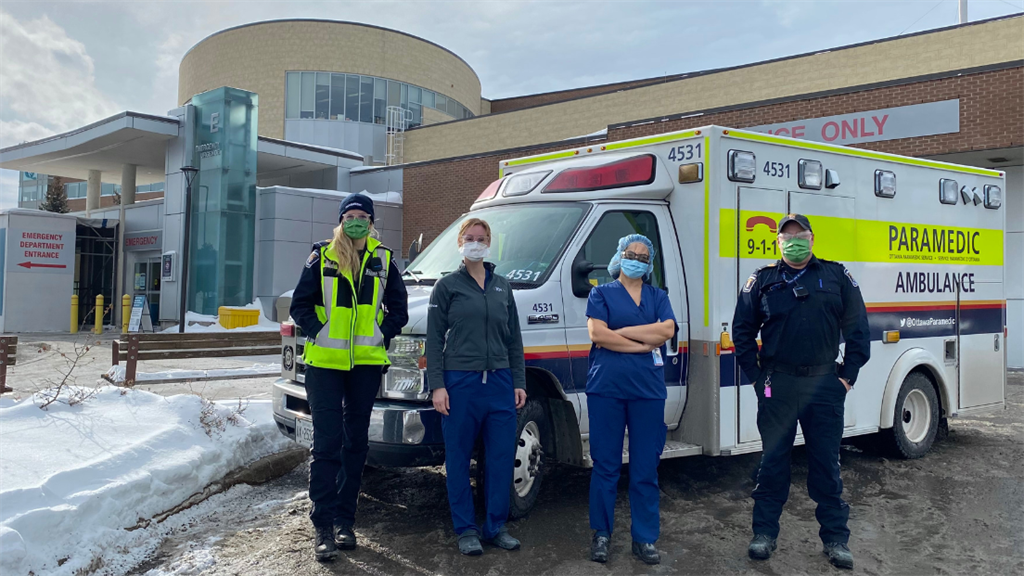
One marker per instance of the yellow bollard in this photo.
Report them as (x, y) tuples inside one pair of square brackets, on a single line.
[(126, 312), (99, 315), (74, 313)]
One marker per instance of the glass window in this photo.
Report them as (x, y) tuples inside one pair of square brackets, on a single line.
[(415, 95), (323, 95), (405, 96), (453, 108), (352, 98), (442, 103), (525, 241), (366, 99), (293, 86), (417, 114), (337, 96), (428, 98), (604, 241), (308, 100), (380, 100), (394, 94)]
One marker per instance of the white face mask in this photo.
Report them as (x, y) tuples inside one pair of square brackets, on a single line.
[(475, 251)]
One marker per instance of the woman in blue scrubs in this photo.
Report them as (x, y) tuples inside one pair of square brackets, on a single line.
[(629, 322)]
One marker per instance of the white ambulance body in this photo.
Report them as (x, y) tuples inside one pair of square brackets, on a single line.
[(923, 239)]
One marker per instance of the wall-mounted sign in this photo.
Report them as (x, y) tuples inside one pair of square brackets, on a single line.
[(41, 250), (135, 241), (874, 125), (167, 267)]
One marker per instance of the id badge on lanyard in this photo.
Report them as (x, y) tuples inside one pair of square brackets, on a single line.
[(658, 361)]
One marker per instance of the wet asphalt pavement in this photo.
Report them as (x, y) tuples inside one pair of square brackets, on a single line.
[(960, 509)]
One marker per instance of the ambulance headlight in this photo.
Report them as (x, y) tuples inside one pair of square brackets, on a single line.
[(993, 196), (948, 191), (809, 174), (404, 379), (742, 166), (521, 184), (885, 184)]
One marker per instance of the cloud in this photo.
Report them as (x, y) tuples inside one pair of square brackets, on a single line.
[(17, 131), (48, 80)]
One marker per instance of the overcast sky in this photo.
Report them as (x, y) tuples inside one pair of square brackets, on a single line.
[(66, 64)]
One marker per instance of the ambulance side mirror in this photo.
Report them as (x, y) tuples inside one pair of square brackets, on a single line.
[(581, 270)]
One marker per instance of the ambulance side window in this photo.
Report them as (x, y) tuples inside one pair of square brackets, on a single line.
[(603, 242)]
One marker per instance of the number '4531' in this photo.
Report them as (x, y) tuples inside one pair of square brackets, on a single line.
[(684, 152)]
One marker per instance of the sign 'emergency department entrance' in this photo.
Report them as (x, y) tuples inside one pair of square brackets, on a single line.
[(42, 251)]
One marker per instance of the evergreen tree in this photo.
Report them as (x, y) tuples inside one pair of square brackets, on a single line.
[(56, 197)]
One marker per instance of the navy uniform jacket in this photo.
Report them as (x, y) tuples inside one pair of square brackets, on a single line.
[(801, 332), (309, 294)]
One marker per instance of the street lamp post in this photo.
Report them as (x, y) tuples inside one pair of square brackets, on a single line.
[(190, 175)]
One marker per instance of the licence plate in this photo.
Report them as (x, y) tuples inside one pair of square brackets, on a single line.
[(304, 432)]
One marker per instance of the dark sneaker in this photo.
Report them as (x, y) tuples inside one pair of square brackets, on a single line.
[(761, 547), (503, 540), (324, 548), (344, 537), (839, 555), (646, 552), (469, 543), (599, 548)]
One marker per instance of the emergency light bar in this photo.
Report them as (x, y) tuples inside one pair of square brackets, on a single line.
[(490, 192), (632, 172), (993, 196), (521, 184)]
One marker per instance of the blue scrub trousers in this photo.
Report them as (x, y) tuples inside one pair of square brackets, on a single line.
[(475, 408), (609, 419)]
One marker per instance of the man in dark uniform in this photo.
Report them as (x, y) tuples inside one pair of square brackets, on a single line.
[(801, 305)]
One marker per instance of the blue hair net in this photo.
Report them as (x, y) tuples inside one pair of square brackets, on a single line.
[(614, 266)]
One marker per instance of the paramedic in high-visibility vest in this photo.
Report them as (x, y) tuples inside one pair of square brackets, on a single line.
[(801, 305), (349, 303)]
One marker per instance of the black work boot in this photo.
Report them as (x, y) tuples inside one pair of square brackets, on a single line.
[(646, 552), (469, 543), (503, 540), (344, 537), (599, 548), (839, 555), (324, 548), (761, 547)]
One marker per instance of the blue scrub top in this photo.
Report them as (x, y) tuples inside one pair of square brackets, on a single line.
[(624, 375)]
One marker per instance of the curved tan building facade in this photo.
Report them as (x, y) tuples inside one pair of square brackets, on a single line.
[(259, 57)]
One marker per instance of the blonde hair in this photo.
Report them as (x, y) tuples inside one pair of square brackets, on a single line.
[(345, 250), (469, 223)]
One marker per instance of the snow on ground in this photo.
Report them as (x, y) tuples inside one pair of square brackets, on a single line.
[(195, 322), (116, 373), (77, 482)]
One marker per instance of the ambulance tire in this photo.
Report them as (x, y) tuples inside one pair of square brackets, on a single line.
[(916, 419), (532, 441)]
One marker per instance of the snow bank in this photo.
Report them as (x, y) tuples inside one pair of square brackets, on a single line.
[(76, 482), (195, 322), (116, 373)]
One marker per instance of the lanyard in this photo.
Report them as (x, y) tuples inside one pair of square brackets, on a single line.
[(787, 282)]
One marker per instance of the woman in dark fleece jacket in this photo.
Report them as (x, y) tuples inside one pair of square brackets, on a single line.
[(477, 374)]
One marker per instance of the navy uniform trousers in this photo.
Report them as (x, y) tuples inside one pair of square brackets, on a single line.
[(817, 402), (487, 409), (341, 403), (609, 418)]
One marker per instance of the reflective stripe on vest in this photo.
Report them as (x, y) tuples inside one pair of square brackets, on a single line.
[(351, 335)]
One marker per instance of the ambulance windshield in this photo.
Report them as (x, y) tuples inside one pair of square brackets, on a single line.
[(525, 240)]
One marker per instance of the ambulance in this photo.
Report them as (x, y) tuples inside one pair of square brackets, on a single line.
[(922, 239)]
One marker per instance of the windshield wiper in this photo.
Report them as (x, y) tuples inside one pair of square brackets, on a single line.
[(414, 276)]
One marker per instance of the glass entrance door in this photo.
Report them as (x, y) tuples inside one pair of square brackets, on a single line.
[(146, 282)]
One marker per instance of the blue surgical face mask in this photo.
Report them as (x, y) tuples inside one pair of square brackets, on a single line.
[(633, 268)]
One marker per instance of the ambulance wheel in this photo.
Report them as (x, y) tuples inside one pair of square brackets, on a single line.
[(531, 434), (916, 418)]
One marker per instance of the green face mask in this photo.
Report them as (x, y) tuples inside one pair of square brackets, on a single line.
[(796, 250), (356, 228)]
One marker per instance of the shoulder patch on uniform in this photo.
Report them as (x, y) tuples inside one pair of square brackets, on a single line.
[(314, 257), (850, 276), (750, 282)]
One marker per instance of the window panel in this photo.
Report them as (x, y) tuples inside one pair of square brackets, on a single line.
[(366, 99), (442, 103), (293, 91), (428, 98), (352, 98), (453, 108), (394, 93), (323, 95), (308, 99), (417, 114), (415, 95), (337, 96), (405, 96), (380, 100)]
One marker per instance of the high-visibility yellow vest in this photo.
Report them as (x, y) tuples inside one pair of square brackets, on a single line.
[(352, 313)]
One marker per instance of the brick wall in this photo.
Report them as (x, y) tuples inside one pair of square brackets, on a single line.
[(520, 102), (991, 116)]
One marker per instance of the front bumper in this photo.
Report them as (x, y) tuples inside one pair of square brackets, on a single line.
[(401, 433)]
